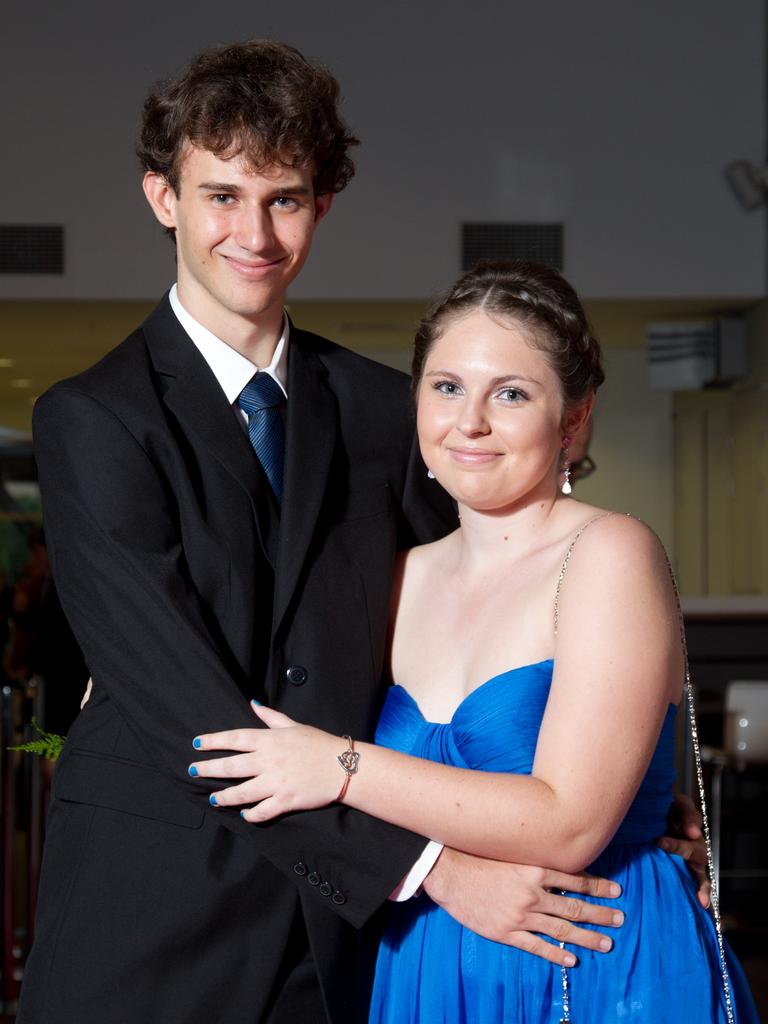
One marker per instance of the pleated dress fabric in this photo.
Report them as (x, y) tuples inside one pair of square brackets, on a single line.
[(664, 966)]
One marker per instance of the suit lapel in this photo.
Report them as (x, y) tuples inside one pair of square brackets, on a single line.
[(194, 396), (311, 429)]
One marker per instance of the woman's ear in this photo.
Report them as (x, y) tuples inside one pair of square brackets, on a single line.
[(576, 416)]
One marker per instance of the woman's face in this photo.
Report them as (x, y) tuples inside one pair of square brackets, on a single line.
[(490, 415)]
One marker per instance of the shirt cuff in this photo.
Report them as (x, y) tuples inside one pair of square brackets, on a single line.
[(413, 881)]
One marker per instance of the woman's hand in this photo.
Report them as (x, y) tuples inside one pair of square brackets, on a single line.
[(286, 767)]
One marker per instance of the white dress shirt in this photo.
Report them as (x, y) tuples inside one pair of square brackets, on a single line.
[(233, 371)]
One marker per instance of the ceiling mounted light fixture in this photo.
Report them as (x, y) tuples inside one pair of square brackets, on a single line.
[(748, 182)]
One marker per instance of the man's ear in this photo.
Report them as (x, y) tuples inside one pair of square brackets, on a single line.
[(323, 204), (161, 197), (576, 416)]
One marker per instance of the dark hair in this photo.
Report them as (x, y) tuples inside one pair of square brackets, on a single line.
[(260, 98), (535, 296)]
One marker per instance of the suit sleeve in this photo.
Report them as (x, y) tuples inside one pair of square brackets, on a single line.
[(113, 533)]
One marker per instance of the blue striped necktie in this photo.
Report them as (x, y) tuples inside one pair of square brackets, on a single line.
[(261, 399)]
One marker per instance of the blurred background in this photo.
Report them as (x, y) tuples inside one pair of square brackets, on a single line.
[(624, 143)]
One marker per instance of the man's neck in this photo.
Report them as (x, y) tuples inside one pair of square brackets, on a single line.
[(254, 336)]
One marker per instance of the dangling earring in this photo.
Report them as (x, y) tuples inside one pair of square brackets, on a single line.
[(430, 475), (566, 466)]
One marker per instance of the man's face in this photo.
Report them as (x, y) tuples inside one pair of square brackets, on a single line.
[(242, 235)]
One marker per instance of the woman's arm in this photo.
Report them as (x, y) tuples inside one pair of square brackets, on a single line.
[(618, 664)]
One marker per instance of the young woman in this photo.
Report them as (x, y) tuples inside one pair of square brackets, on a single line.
[(538, 668)]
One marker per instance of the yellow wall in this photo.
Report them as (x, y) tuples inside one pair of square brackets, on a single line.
[(646, 465)]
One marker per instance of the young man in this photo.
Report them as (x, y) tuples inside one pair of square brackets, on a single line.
[(224, 495)]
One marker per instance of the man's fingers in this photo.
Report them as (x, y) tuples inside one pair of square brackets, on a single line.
[(570, 909), (540, 947), (686, 816), (693, 853), (87, 694), (562, 931), (586, 885), (704, 893)]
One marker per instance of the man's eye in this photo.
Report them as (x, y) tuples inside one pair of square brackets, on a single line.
[(221, 199), (285, 202)]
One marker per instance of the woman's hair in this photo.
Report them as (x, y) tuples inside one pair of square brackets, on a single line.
[(539, 299), (261, 99)]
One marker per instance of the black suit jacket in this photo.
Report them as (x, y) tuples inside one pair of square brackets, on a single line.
[(189, 593)]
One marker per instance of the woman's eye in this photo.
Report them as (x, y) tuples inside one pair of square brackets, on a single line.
[(447, 387), (512, 395)]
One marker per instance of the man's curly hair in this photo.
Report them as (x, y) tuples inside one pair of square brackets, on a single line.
[(259, 99)]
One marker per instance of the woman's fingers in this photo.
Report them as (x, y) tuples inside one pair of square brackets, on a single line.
[(264, 811), (270, 717), (250, 792), (233, 739), (239, 766)]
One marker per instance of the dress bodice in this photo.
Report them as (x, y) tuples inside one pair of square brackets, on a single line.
[(495, 729)]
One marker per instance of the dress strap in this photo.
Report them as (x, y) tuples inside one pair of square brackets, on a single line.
[(714, 881), (564, 566)]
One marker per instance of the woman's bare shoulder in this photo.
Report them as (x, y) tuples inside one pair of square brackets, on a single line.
[(416, 565), (612, 549), (606, 535)]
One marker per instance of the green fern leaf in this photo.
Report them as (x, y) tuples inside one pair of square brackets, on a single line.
[(49, 744)]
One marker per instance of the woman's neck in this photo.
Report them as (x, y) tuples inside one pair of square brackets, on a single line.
[(485, 540)]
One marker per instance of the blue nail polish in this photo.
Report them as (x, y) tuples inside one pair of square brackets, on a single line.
[(212, 800), (242, 814), (197, 743), (192, 770), (256, 702)]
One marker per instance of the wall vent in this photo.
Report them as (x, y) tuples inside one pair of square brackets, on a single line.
[(493, 241), (31, 249)]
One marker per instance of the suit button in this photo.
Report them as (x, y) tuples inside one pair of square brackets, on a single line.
[(325, 889), (296, 674), (339, 898), (300, 868), (314, 878)]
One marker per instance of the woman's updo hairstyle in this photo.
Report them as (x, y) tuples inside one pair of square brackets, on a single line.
[(539, 299)]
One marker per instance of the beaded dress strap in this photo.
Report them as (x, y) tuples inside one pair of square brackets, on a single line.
[(564, 566), (692, 724), (689, 700), (565, 1016)]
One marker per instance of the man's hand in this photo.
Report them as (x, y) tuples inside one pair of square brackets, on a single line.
[(87, 694), (686, 840), (509, 902)]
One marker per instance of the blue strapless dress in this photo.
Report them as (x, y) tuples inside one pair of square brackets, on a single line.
[(664, 966)]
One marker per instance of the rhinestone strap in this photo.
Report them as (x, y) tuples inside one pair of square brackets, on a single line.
[(688, 696), (564, 566)]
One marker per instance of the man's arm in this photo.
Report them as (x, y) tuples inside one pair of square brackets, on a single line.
[(515, 904), (686, 839), (112, 528)]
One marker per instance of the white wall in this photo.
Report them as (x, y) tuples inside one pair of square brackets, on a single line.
[(615, 117)]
